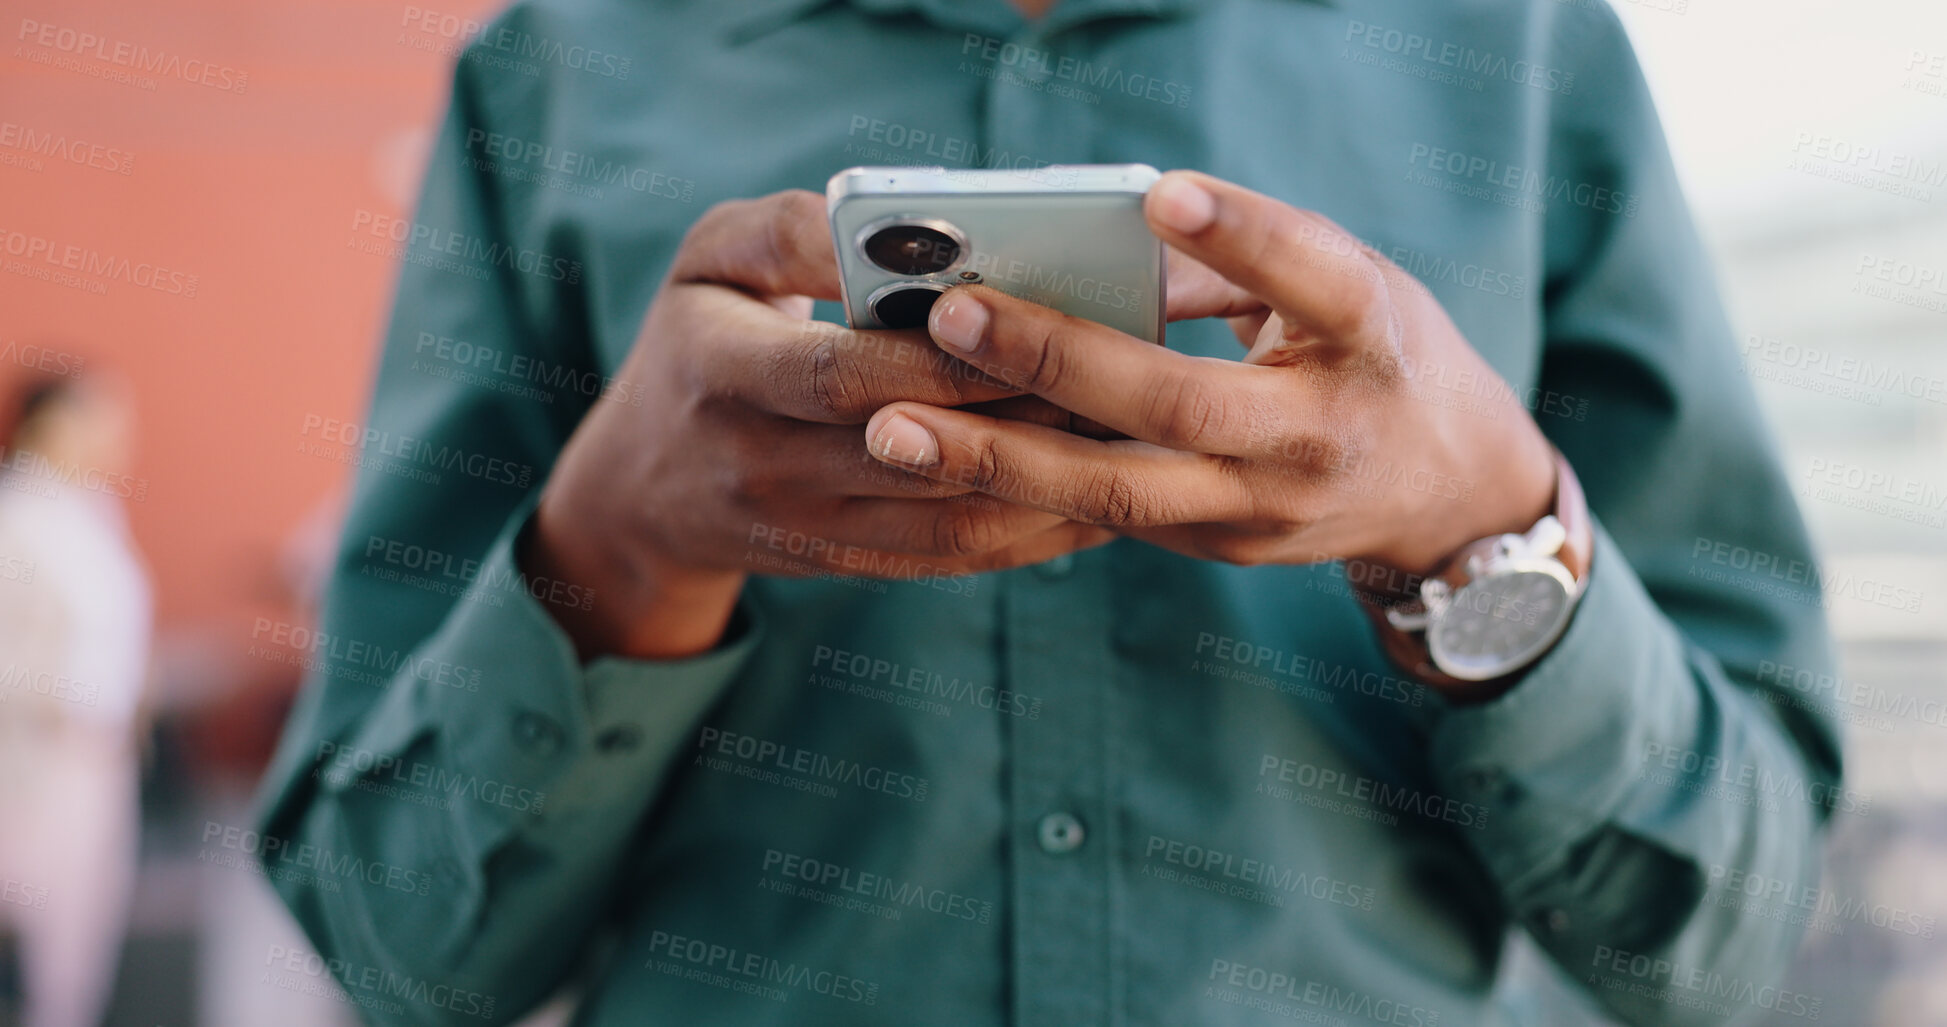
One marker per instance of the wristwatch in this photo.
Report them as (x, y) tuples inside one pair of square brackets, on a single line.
[(1498, 606)]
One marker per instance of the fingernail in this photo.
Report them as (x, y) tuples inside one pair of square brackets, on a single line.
[(902, 441), (1183, 205), (959, 321)]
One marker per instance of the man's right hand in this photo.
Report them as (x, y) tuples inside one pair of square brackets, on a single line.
[(747, 432)]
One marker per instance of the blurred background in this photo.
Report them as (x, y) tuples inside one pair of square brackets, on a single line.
[(213, 307)]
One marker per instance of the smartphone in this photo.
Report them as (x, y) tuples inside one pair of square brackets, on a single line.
[(1067, 236)]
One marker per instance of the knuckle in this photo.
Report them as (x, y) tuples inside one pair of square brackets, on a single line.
[(1362, 307), (836, 388), (1187, 412), (1043, 341), (713, 222), (1111, 499), (961, 534), (988, 471), (747, 484), (1315, 457)]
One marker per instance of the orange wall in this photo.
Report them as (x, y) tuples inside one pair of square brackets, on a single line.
[(250, 190)]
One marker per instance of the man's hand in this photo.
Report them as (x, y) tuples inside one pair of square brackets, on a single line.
[(1318, 445), (748, 432)]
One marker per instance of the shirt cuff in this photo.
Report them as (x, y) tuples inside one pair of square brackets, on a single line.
[(525, 732), (1560, 754)]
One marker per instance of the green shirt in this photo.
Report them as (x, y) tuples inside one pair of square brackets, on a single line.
[(1123, 787)]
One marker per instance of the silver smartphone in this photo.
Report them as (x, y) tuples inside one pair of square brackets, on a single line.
[(1068, 236)]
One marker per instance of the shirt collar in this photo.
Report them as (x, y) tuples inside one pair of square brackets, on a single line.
[(993, 17)]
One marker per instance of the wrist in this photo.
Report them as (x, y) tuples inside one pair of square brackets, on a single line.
[(1497, 605), (643, 605)]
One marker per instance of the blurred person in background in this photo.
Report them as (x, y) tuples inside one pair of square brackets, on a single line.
[(75, 619)]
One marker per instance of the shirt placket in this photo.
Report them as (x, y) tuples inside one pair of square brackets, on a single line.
[(1056, 621), (1062, 836)]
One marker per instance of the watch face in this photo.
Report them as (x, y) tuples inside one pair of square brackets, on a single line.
[(1499, 624)]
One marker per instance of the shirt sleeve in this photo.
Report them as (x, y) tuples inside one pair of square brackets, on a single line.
[(1660, 751), (455, 792)]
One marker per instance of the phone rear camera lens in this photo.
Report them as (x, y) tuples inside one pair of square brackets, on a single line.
[(907, 306), (912, 249)]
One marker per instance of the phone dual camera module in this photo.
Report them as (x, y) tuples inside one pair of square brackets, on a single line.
[(913, 248)]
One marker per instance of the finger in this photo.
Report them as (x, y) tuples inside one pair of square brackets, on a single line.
[(1035, 410), (803, 555), (773, 246), (783, 457), (1331, 297), (1117, 484), (1147, 392), (1196, 291), (822, 372), (948, 529)]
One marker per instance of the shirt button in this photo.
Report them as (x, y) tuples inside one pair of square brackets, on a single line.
[(623, 738), (537, 734), (1554, 921), (1055, 569), (1060, 833)]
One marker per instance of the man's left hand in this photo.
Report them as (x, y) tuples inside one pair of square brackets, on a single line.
[(1322, 443)]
